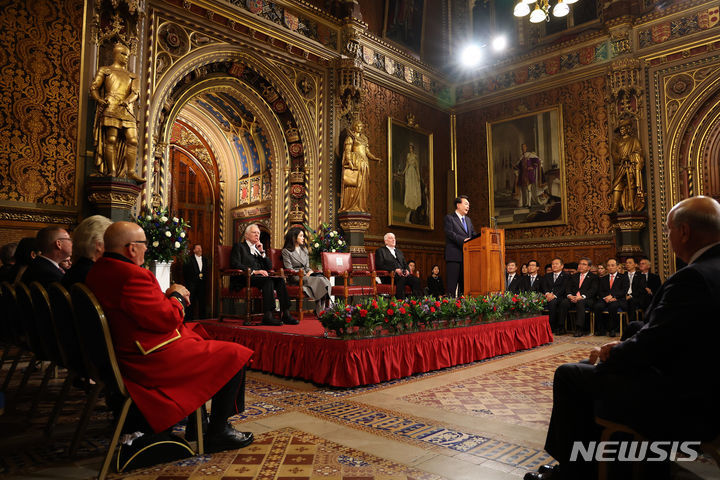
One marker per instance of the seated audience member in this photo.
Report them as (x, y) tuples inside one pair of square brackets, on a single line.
[(532, 282), (601, 270), (435, 285), (196, 272), (621, 268), (65, 264), (548, 268), (295, 257), (88, 247), (7, 255), (512, 279), (660, 381), (554, 285), (25, 253), (412, 268), (581, 290), (652, 280), (570, 268), (392, 259), (593, 269), (249, 255), (168, 369), (612, 289), (523, 269), (636, 293), (55, 245)]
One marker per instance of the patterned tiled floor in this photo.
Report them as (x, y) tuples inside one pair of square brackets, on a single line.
[(521, 394), (286, 454)]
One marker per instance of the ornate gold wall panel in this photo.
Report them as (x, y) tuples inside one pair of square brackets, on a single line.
[(587, 160), (39, 73)]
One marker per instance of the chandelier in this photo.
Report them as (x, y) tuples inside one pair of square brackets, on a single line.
[(542, 9)]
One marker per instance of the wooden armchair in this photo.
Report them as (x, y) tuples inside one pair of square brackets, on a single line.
[(247, 294), (295, 291), (382, 288), (340, 265)]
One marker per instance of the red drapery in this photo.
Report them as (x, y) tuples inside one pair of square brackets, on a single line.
[(350, 363)]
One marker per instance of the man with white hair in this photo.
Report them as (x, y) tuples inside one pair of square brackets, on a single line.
[(661, 381), (250, 255), (392, 259), (88, 247)]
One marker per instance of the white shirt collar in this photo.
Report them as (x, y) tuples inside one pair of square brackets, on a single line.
[(52, 261), (459, 216), (253, 249), (697, 254), (392, 250)]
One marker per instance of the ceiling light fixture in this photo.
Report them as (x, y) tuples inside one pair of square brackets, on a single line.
[(542, 9)]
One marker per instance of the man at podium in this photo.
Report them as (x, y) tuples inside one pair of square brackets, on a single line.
[(458, 230)]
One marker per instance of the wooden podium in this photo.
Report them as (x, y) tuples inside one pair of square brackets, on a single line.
[(484, 262)]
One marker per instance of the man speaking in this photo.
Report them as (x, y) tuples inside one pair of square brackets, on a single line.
[(458, 230)]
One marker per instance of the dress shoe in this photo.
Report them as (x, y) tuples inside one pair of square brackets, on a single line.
[(601, 333), (545, 472), (612, 333), (578, 333), (288, 319), (269, 319), (227, 439)]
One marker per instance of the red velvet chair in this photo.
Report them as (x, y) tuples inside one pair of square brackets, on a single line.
[(340, 265), (382, 288), (247, 293), (295, 292)]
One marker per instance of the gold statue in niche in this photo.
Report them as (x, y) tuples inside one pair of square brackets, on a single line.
[(628, 161), (115, 132), (356, 169)]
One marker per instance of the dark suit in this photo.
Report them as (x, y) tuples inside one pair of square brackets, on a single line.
[(78, 272), (660, 381), (514, 285), (557, 287), (384, 260), (619, 290), (241, 258), (455, 235), (638, 297), (588, 289), (195, 281), (529, 285), (653, 282), (42, 270)]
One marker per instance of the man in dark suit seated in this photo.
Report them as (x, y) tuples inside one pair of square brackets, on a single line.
[(458, 230), (611, 297), (392, 259), (661, 381), (581, 290), (249, 255), (169, 369), (55, 246), (512, 278), (532, 282), (196, 271), (636, 293), (652, 280), (554, 286)]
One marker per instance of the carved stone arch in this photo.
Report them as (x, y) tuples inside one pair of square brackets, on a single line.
[(163, 106), (693, 135)]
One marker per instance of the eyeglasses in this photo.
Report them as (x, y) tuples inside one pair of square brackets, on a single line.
[(64, 238), (144, 242)]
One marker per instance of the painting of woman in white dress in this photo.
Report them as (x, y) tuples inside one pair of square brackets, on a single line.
[(409, 176)]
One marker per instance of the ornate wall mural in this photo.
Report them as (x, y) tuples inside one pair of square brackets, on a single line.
[(586, 155), (39, 69)]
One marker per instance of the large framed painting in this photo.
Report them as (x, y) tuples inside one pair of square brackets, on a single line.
[(410, 176), (526, 169), (404, 23)]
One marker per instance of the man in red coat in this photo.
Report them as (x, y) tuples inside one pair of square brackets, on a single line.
[(169, 369)]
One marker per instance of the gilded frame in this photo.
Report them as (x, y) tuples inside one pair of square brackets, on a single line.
[(527, 184), (403, 137)]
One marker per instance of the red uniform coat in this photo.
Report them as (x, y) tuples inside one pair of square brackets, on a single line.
[(169, 380)]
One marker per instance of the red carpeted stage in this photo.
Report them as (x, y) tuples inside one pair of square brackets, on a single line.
[(302, 352)]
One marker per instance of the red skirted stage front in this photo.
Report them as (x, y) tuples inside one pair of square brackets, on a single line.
[(350, 363)]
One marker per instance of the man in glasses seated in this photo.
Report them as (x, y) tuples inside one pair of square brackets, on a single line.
[(55, 246), (168, 368)]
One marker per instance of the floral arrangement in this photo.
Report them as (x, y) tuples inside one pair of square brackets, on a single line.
[(324, 239), (388, 316), (166, 235)]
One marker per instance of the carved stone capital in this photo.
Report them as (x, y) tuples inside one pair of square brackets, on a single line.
[(112, 197), (354, 221)]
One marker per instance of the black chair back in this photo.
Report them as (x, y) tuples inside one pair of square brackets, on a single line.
[(66, 329), (8, 306), (45, 324), (26, 323), (94, 335)]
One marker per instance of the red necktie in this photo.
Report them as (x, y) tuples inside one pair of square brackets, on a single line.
[(612, 279), (582, 277)]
